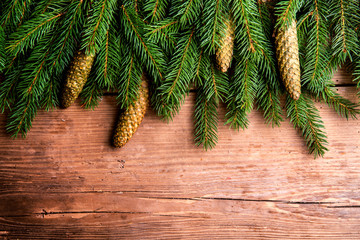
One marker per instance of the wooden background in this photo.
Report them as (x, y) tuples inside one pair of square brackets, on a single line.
[(65, 181)]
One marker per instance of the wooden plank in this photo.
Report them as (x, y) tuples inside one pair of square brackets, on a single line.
[(125, 216), (66, 181)]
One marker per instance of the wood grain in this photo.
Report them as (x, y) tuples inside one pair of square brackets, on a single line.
[(65, 181)]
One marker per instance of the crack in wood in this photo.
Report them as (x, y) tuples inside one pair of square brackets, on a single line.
[(246, 200), (345, 206)]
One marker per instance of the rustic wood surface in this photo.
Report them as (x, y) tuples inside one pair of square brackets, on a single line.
[(65, 181)]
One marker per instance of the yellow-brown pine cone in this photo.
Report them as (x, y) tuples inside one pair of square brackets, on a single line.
[(131, 118), (76, 77), (224, 54), (287, 51)]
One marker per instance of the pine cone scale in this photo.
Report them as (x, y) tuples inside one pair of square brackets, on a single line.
[(76, 77), (130, 120), (224, 54), (287, 52)]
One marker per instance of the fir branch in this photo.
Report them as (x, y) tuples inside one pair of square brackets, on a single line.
[(242, 92), (342, 106), (176, 83), (20, 120), (206, 119), (33, 80), (50, 98), (130, 80), (187, 12), (8, 86), (15, 11), (356, 72), (266, 17), (67, 36), (213, 24), (210, 79), (249, 32), (213, 86), (155, 9), (149, 53), (268, 99), (2, 49), (285, 11), (345, 19), (107, 64), (164, 33), (92, 92), (316, 47), (29, 33), (100, 16), (304, 116)]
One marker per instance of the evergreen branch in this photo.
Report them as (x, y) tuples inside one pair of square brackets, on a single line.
[(316, 71), (100, 16), (201, 66), (182, 71), (163, 33), (151, 55), (268, 99), (356, 72), (266, 17), (237, 117), (67, 36), (130, 80), (244, 33), (211, 80), (214, 26), (33, 81), (242, 92), (213, 86), (91, 93), (107, 64), (285, 11), (2, 49), (251, 38), (8, 87), (342, 106), (304, 116), (156, 9), (51, 93), (206, 119), (187, 12), (28, 34), (345, 19), (20, 120), (14, 13)]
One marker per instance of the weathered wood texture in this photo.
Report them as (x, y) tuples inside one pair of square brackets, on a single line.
[(65, 181)]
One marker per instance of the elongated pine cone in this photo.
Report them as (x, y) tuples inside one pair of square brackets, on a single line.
[(287, 51), (76, 77), (224, 54), (131, 118)]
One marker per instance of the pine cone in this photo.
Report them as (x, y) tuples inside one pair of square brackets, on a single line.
[(287, 52), (76, 77), (225, 52), (131, 118)]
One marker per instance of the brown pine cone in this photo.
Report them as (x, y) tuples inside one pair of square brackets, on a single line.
[(131, 118), (76, 77), (287, 52), (224, 54)]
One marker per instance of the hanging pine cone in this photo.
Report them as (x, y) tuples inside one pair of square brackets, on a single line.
[(225, 52), (287, 52), (76, 77), (131, 118)]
